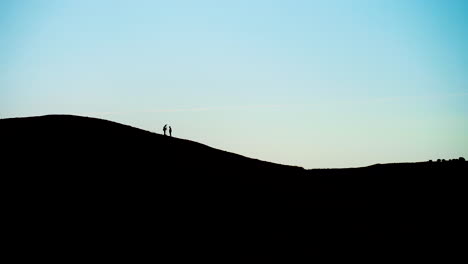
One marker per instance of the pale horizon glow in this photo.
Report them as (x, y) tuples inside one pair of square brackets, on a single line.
[(317, 84)]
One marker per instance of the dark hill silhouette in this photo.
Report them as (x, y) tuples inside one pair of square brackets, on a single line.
[(85, 179)]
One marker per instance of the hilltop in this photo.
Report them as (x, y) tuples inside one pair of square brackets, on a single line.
[(88, 139), (101, 177)]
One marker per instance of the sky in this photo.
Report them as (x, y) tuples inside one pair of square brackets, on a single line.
[(317, 84)]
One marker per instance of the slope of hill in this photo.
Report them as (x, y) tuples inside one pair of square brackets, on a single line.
[(93, 140), (81, 178)]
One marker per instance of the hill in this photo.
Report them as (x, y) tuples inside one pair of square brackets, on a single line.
[(86, 178)]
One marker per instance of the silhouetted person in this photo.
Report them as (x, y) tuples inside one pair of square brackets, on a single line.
[(170, 131), (165, 128)]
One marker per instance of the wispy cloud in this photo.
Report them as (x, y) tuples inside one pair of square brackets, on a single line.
[(280, 106), (420, 97), (193, 109)]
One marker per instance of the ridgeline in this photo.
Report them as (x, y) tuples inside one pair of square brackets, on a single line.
[(84, 179)]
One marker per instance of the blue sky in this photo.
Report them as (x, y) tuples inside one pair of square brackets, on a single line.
[(309, 83)]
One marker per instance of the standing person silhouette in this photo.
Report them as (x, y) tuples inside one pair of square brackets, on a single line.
[(165, 128), (170, 131)]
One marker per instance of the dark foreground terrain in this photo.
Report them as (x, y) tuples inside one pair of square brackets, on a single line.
[(84, 184)]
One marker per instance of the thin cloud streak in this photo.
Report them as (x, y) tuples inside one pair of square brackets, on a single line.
[(192, 109), (277, 106)]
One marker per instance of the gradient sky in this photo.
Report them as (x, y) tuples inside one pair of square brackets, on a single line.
[(309, 83)]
